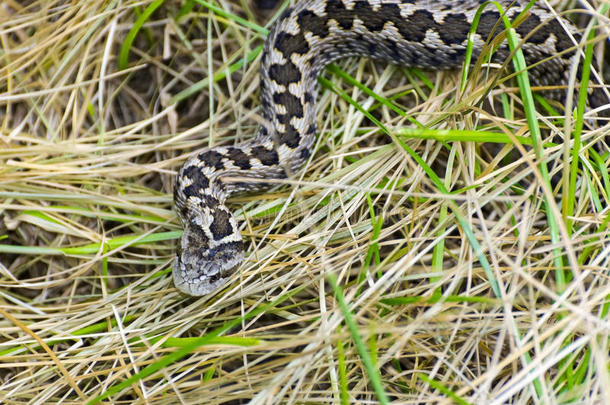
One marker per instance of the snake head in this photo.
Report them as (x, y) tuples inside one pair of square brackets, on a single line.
[(210, 250)]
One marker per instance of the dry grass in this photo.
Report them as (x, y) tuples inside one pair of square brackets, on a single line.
[(87, 231)]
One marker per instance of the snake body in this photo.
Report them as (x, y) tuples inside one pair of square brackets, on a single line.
[(426, 34)]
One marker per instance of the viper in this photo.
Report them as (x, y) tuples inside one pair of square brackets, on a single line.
[(306, 38)]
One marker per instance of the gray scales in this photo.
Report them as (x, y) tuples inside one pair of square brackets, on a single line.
[(306, 38)]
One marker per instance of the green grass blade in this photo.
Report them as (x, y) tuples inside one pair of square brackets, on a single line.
[(369, 365), (133, 32), (439, 386)]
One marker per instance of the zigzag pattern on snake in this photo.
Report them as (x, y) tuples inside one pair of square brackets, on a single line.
[(307, 37)]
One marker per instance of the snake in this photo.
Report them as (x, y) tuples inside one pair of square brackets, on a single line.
[(301, 43)]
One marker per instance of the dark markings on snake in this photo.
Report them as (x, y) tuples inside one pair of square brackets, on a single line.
[(212, 158), (291, 102), (541, 33), (210, 200), (221, 225), (372, 48), (268, 157), (290, 137), (286, 13), (305, 153), (375, 22), (192, 191), (198, 236), (339, 13), (392, 46), (193, 172), (417, 25), (227, 248), (487, 23), (239, 158), (290, 44), (285, 74), (457, 54), (455, 29), (313, 23)]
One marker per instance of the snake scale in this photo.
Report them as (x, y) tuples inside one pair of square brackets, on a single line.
[(307, 37)]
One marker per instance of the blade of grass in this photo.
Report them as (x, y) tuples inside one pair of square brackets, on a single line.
[(241, 21), (369, 365), (343, 387), (440, 387), (465, 135), (569, 194), (92, 248), (133, 32)]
